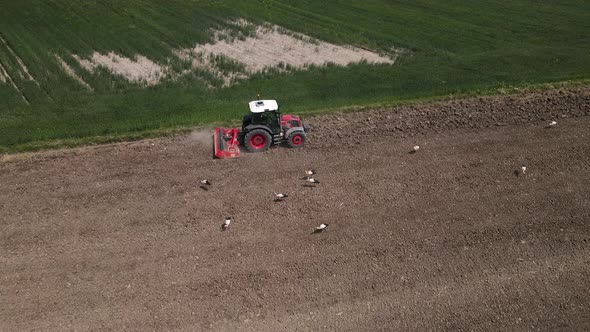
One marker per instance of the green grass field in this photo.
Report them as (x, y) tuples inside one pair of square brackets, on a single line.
[(454, 47)]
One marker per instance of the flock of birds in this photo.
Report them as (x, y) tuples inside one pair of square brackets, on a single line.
[(309, 177)]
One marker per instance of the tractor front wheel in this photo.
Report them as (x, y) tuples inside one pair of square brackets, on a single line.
[(257, 140), (296, 139)]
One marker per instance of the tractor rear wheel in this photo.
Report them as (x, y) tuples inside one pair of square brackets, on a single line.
[(257, 140), (296, 139)]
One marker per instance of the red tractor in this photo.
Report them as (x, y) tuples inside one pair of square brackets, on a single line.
[(263, 127)]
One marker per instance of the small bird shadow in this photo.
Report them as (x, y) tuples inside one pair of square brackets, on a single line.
[(308, 185), (203, 187), (277, 200), (412, 151), (518, 173), (318, 231)]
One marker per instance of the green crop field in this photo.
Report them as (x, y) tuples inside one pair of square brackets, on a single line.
[(441, 47)]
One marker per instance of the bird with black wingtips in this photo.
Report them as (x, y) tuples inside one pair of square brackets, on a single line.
[(309, 173), (312, 180), (280, 196), (321, 228), (205, 184), (226, 223)]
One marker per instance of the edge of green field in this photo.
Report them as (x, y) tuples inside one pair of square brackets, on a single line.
[(56, 144), (443, 49)]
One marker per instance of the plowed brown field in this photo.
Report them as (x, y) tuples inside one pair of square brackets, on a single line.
[(449, 238)]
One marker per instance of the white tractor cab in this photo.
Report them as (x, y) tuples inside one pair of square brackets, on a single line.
[(265, 125)]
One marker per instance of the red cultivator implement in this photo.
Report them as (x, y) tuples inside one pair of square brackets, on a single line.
[(226, 143), (263, 127)]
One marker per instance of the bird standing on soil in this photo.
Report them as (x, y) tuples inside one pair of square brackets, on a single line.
[(321, 228), (551, 124), (280, 196), (205, 184), (523, 169), (309, 173), (226, 223), (415, 149), (312, 180)]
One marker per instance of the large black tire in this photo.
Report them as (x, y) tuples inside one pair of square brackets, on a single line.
[(257, 140), (296, 139)]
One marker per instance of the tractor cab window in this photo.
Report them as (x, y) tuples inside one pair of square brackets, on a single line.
[(269, 119)]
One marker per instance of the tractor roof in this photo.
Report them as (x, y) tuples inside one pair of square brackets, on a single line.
[(260, 106)]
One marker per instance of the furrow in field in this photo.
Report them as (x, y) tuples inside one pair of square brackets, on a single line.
[(72, 73), (4, 73), (22, 65)]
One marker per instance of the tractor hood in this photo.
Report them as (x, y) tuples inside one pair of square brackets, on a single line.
[(291, 121)]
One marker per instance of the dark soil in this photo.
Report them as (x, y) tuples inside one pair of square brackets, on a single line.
[(452, 237)]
